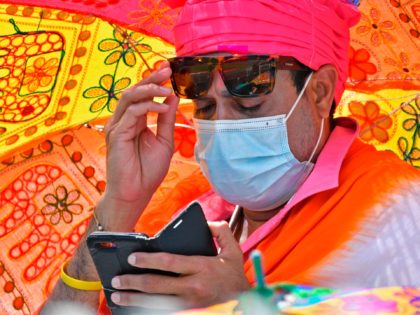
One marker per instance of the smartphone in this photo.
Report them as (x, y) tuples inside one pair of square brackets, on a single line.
[(186, 234)]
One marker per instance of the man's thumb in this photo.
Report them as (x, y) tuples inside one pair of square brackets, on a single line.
[(225, 238)]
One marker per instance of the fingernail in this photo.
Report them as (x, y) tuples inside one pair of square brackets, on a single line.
[(164, 70), (163, 64), (115, 297), (132, 260), (115, 282), (165, 89)]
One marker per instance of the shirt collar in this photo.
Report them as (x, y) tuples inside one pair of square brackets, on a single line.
[(323, 177)]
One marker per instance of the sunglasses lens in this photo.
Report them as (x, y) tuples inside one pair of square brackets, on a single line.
[(191, 77), (249, 76), (244, 76)]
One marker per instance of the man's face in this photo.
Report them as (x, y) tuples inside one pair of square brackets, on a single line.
[(302, 126)]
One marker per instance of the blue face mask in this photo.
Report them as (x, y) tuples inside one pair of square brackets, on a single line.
[(248, 161)]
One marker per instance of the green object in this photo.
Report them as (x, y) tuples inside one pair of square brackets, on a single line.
[(273, 299), (258, 269)]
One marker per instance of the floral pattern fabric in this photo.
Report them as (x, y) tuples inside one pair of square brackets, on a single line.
[(60, 69), (63, 67)]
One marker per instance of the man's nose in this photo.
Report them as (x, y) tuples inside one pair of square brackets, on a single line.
[(219, 93)]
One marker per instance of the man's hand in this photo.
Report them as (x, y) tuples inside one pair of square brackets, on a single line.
[(203, 280), (137, 158), (137, 162)]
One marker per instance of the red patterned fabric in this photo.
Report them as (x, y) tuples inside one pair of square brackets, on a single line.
[(62, 64)]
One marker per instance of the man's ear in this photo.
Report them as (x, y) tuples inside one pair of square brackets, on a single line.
[(322, 89)]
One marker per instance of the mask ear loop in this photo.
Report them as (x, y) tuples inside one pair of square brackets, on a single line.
[(299, 96), (319, 140), (307, 164), (293, 109)]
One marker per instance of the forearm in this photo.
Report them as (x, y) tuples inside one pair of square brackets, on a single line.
[(81, 265)]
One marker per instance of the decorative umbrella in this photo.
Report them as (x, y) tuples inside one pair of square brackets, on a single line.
[(383, 90), (63, 66)]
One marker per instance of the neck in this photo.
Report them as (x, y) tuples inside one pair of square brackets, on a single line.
[(257, 218)]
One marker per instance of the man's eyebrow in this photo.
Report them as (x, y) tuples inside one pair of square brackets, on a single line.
[(224, 93)]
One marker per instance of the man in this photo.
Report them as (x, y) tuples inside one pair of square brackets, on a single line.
[(323, 208)]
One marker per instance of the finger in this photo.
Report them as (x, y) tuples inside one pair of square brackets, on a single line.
[(164, 64), (168, 262), (142, 93), (111, 124), (150, 283), (157, 77), (166, 121), (126, 127), (151, 301), (225, 238), (108, 127)]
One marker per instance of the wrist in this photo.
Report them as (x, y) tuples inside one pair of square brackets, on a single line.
[(81, 265), (119, 215), (78, 283)]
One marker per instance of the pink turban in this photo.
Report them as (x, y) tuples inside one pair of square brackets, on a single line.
[(315, 32)]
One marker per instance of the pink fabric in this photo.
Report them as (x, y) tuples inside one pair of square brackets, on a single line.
[(316, 32), (323, 177), (215, 207), (150, 17)]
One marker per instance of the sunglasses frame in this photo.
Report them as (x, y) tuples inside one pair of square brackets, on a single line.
[(216, 62)]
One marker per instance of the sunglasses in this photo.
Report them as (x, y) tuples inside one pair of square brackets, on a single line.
[(244, 76)]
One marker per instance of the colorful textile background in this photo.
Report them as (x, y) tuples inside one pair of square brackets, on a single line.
[(383, 89), (307, 300), (59, 70), (63, 67)]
